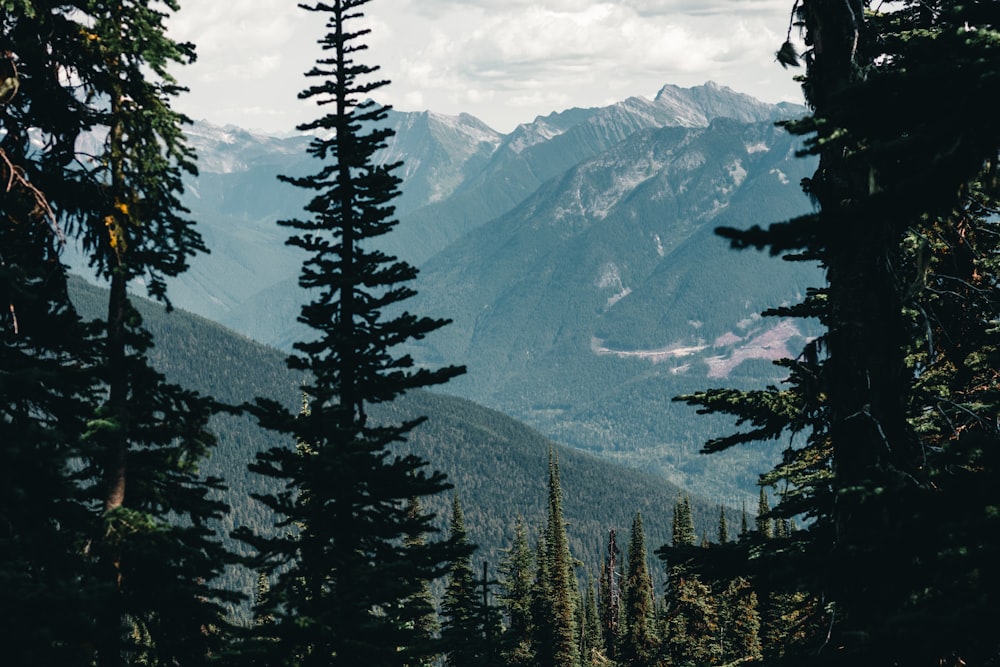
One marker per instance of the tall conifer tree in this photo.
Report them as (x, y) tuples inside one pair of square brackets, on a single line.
[(517, 572), (640, 642), (562, 587), (461, 630), (898, 96), (345, 568), (97, 71), (46, 392)]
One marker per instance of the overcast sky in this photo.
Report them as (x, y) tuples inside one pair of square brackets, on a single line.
[(504, 61)]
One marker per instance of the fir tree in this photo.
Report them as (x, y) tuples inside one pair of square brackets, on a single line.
[(903, 147), (46, 593), (591, 638), (691, 628), (744, 522), (739, 621), (683, 527), (342, 575), (611, 585), (640, 641), (765, 526), (151, 549), (420, 609), (562, 586), (461, 629), (723, 526), (516, 584)]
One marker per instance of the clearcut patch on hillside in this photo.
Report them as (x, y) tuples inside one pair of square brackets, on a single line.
[(771, 344)]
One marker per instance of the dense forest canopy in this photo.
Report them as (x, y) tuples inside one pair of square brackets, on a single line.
[(875, 538)]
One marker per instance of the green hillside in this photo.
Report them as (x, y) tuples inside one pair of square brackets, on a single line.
[(497, 464)]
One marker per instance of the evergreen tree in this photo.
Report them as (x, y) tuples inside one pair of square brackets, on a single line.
[(150, 435), (489, 620), (461, 629), (516, 583), (543, 619), (341, 574), (420, 609), (611, 586), (691, 628), (592, 640), (683, 527), (723, 526), (905, 151), (46, 595), (102, 68), (739, 621), (562, 588), (765, 527), (640, 643)]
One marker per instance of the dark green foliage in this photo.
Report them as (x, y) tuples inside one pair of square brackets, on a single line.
[(640, 642), (611, 587), (561, 586), (892, 396), (346, 557), (683, 530), (420, 609), (591, 637), (94, 69), (461, 627), (691, 628), (739, 622), (46, 592), (517, 571)]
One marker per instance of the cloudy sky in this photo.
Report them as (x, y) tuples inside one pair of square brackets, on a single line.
[(504, 61)]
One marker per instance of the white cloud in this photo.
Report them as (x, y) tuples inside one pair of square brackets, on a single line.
[(502, 60)]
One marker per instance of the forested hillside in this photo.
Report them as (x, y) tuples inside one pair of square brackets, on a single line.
[(172, 494), (498, 465)]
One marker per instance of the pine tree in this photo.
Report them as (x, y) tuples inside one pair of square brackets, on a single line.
[(683, 527), (461, 629), (744, 522), (765, 526), (342, 574), (739, 621), (903, 145), (516, 583), (611, 585), (46, 593), (640, 642), (420, 610), (562, 587), (151, 434), (723, 526), (102, 68), (691, 628), (592, 640)]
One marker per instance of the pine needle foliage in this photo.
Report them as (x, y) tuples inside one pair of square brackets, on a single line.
[(342, 563)]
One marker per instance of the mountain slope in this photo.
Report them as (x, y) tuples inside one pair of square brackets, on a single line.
[(587, 307), (498, 465)]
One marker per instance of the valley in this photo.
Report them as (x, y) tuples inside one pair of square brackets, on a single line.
[(576, 257)]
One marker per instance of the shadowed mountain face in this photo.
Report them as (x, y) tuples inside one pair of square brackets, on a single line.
[(576, 256)]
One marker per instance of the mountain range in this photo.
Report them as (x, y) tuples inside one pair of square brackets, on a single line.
[(575, 256)]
